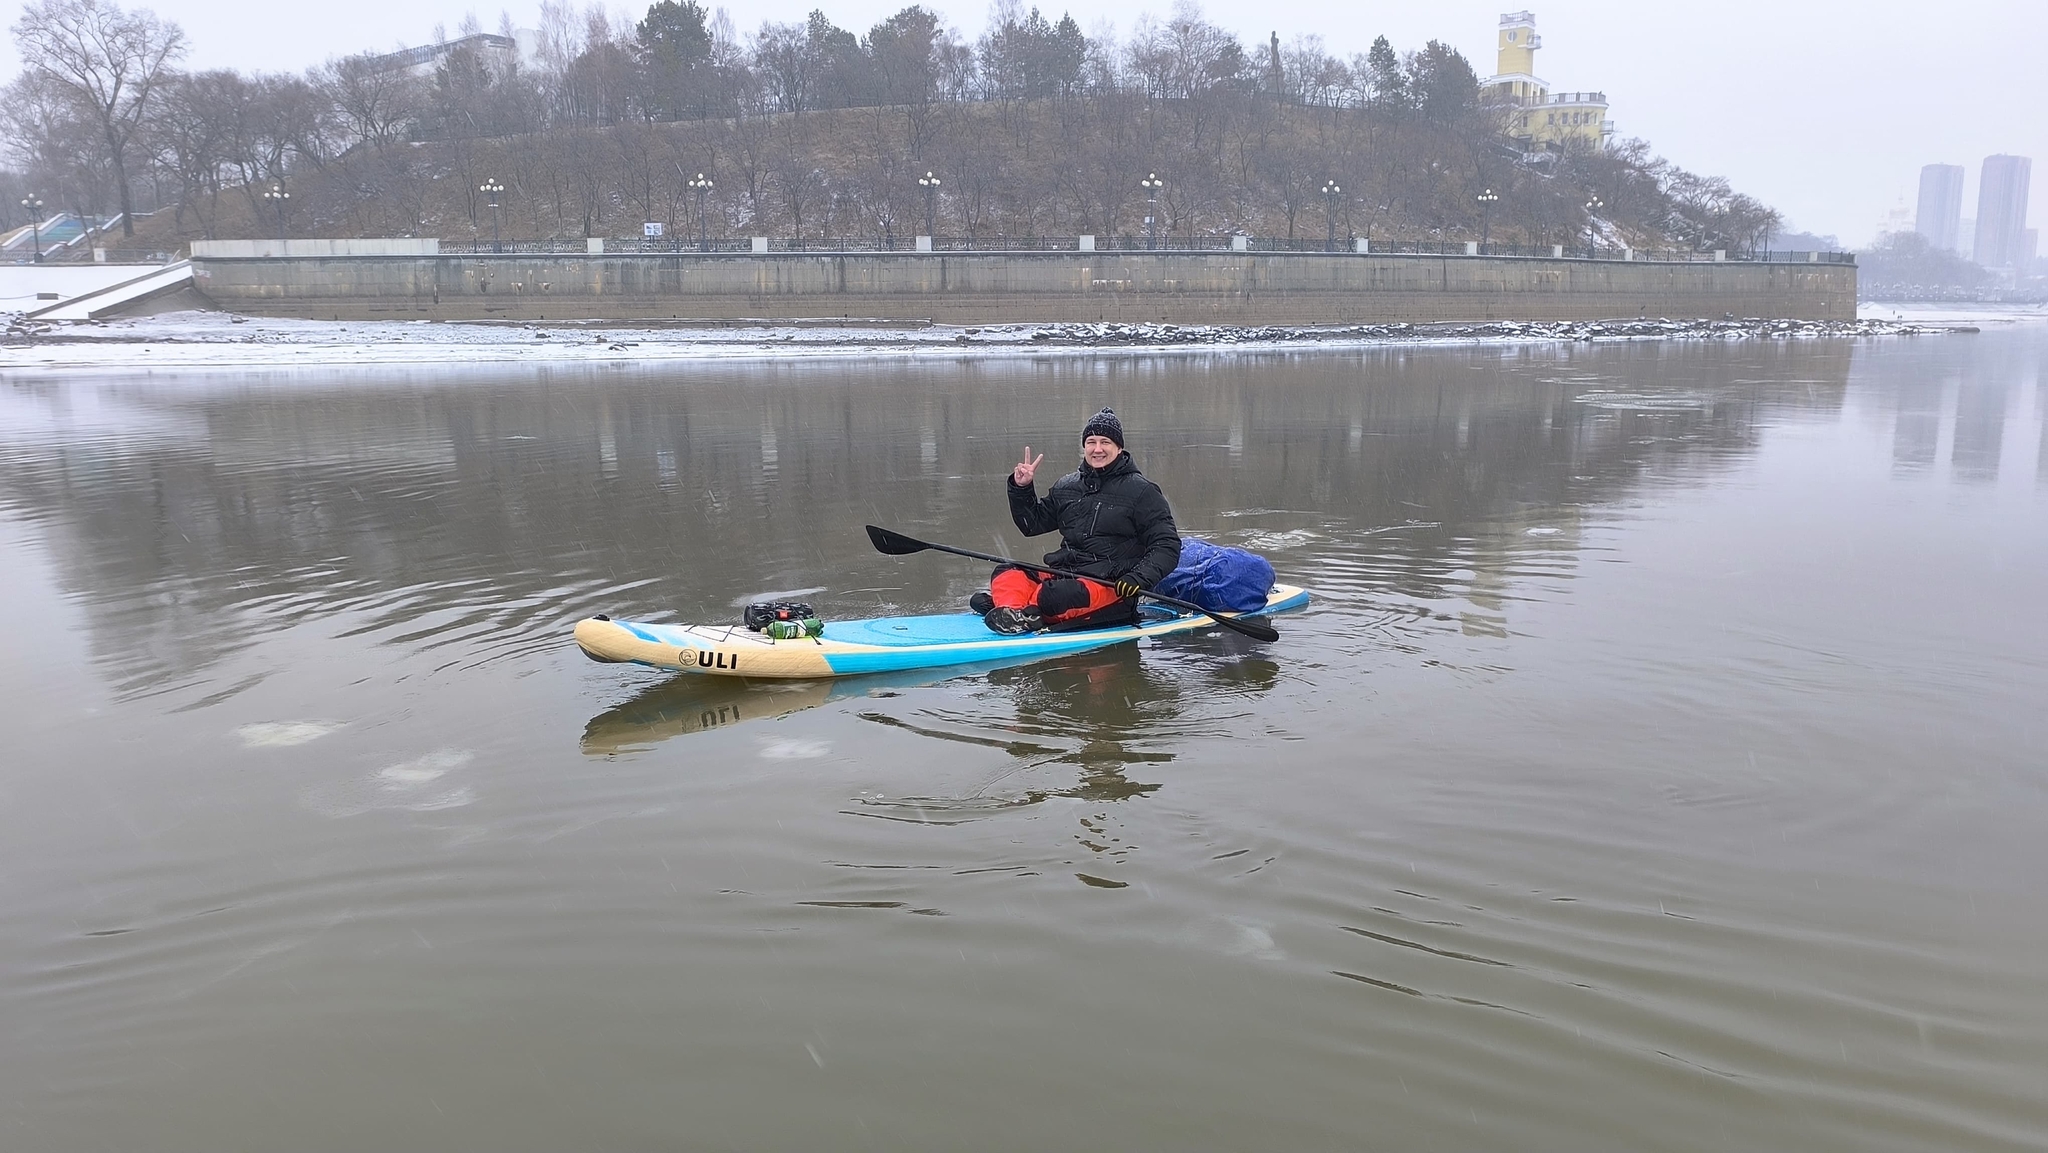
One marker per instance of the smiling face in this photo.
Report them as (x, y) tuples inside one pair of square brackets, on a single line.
[(1099, 451)]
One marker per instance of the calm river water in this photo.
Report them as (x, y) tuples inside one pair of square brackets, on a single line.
[(1662, 764)]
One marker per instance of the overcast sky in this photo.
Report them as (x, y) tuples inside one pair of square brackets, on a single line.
[(1825, 109)]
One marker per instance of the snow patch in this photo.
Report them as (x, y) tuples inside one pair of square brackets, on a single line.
[(283, 734), (408, 786)]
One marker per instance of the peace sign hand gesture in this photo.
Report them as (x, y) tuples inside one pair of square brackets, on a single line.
[(1026, 469)]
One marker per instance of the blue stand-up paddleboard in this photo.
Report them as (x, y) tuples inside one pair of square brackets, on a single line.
[(878, 645)]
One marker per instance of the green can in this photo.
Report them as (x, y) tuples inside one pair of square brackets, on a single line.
[(791, 630)]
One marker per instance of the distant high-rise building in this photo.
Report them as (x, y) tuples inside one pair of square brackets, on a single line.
[(1966, 239), (2002, 210), (1940, 219)]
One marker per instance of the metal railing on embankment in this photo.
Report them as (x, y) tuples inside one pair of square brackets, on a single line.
[(1343, 246)]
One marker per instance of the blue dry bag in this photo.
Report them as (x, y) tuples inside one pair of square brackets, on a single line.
[(1218, 577)]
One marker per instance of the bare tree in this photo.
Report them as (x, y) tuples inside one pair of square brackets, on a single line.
[(113, 63), (786, 66), (376, 103), (191, 139), (48, 138), (798, 181), (1312, 76), (749, 149)]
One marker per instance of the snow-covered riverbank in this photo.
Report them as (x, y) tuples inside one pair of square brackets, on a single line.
[(197, 339), (1948, 312)]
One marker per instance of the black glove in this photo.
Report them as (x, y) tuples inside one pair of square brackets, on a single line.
[(1128, 588)]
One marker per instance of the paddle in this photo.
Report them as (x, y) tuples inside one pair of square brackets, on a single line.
[(896, 544)]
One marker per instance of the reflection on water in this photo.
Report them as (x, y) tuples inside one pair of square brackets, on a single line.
[(1101, 712), (694, 704), (1655, 766), (475, 517), (1980, 430)]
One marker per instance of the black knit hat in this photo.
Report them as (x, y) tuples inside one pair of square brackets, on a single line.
[(1104, 423)]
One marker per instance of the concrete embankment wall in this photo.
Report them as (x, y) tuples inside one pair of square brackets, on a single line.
[(986, 288)]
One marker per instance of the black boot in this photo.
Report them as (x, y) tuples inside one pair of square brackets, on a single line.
[(980, 603), (1014, 622)]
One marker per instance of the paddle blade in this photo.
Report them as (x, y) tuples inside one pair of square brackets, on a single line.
[(1253, 629), (894, 543)]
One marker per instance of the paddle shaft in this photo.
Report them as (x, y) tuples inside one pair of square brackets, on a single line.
[(882, 537)]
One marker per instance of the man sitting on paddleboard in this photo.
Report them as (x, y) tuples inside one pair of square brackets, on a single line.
[(1115, 529)]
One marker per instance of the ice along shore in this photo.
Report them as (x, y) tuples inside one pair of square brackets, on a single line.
[(207, 339)]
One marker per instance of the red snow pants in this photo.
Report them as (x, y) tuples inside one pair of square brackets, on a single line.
[(1057, 598)]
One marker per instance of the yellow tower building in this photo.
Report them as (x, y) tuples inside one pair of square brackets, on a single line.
[(1540, 118)]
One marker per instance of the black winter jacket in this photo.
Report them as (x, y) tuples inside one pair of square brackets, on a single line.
[(1112, 522)]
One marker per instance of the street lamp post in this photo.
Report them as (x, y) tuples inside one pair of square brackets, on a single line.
[(491, 188), (930, 184), (701, 184), (1330, 191), (278, 196), (1486, 200), (1152, 184), (1593, 205), (34, 204)]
